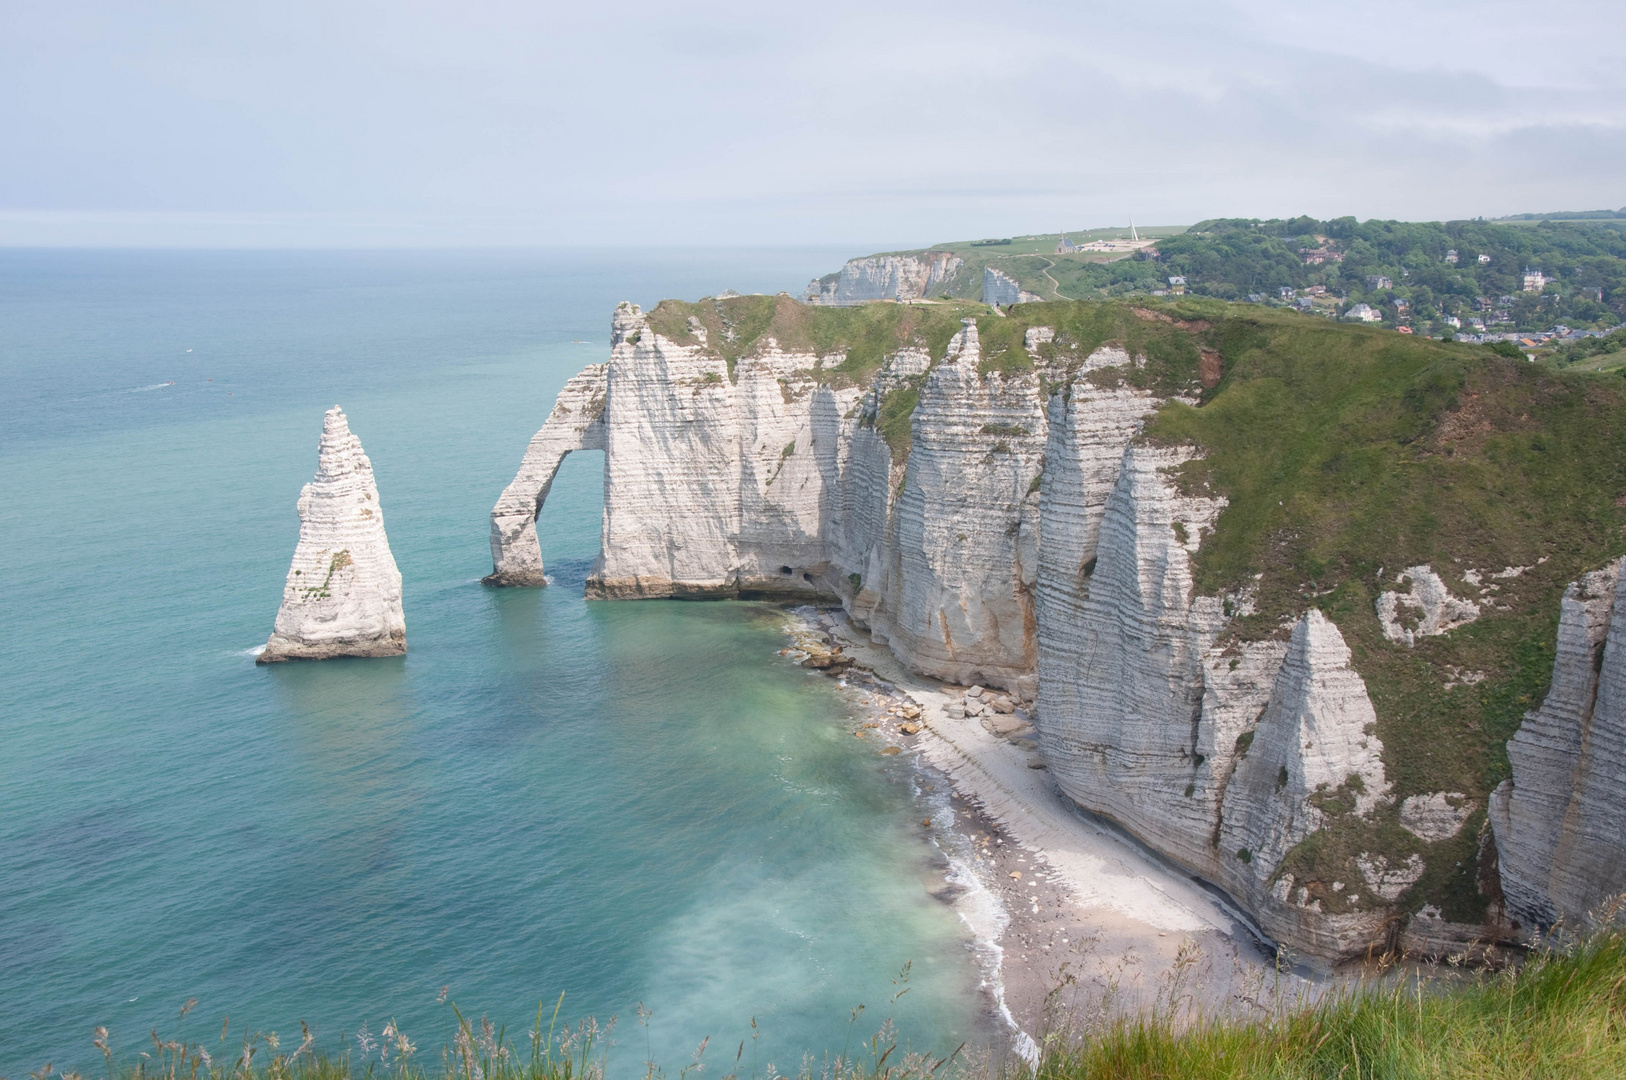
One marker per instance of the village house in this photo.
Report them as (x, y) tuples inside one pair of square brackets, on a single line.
[(1177, 285), (1483, 258), (1378, 281), (1535, 280), (1451, 256), (1363, 313)]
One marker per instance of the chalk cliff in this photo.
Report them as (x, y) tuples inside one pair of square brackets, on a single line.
[(885, 277), (576, 423), (342, 596), (1560, 824), (1002, 290), (982, 493)]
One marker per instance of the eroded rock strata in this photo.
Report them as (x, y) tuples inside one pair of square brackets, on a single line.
[(886, 277), (342, 596), (1001, 290), (1560, 822), (981, 498)]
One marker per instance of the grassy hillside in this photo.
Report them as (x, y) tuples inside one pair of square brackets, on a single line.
[(1562, 1015), (1349, 453), (1238, 258), (1033, 261)]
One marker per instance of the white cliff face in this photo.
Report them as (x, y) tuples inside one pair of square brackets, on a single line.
[(1317, 738), (1428, 610), (342, 596), (967, 524), (771, 484), (1437, 816), (1560, 824), (1001, 290), (885, 277), (1084, 452), (671, 470), (1023, 537), (1388, 880), (576, 423), (1214, 755), (1121, 687)]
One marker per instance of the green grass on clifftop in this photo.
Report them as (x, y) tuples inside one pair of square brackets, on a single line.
[(851, 342), (1562, 1015), (1347, 454)]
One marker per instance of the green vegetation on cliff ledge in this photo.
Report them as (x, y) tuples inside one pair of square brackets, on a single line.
[(851, 342), (1348, 454)]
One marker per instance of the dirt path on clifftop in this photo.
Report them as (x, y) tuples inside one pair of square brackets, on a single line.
[(1055, 286), (1096, 923)]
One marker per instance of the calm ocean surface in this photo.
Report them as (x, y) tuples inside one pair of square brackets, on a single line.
[(635, 802)]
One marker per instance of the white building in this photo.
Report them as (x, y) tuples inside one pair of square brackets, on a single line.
[(1363, 313), (1535, 280)]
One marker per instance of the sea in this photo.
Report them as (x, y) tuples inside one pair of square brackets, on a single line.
[(635, 811)]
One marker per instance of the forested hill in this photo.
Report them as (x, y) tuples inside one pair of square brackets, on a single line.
[(1379, 263)]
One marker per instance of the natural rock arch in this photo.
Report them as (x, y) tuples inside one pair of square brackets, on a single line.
[(576, 423)]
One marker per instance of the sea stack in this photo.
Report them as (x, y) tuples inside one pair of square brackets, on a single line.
[(343, 593)]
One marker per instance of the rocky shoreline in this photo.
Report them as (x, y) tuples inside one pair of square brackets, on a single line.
[(1069, 932)]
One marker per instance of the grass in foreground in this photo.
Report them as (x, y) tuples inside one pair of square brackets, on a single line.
[(1561, 1014)]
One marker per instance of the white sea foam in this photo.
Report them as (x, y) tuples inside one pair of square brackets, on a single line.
[(255, 651), (980, 909), (154, 386)]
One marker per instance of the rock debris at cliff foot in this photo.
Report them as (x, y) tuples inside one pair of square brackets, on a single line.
[(342, 596)]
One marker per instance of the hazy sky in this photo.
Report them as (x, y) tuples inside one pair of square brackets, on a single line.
[(409, 122)]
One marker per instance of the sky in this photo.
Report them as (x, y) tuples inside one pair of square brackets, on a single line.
[(407, 123)]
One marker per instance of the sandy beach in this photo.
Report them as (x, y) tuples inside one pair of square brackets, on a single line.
[(1079, 922)]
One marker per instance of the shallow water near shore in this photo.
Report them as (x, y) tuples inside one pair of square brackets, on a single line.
[(622, 802)]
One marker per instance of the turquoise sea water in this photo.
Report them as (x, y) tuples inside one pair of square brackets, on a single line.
[(621, 802)]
